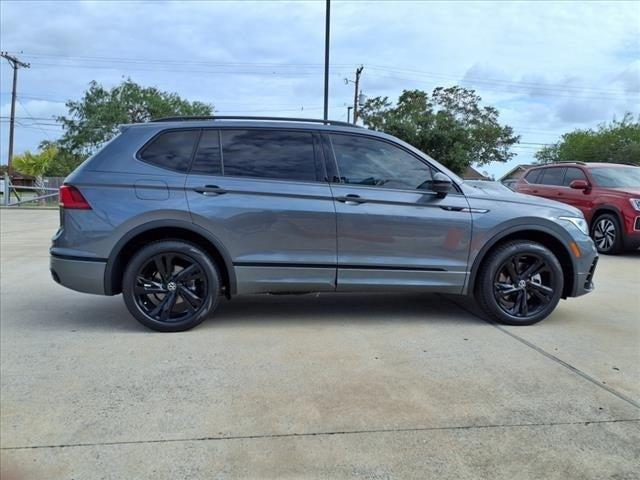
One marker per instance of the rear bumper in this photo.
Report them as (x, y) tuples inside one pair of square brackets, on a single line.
[(82, 275)]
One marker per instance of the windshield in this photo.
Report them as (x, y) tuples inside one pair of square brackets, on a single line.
[(615, 177), (487, 185)]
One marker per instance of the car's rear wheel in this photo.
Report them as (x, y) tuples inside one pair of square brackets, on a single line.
[(520, 283), (607, 234), (171, 286)]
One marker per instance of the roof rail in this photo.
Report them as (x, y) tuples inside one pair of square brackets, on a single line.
[(234, 117), (569, 161)]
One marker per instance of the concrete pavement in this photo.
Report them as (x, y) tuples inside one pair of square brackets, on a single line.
[(314, 386)]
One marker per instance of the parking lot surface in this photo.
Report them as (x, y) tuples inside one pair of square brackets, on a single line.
[(313, 386)]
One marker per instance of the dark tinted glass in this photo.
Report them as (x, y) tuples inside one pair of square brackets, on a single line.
[(533, 176), (171, 150), (572, 174), (552, 176), (207, 159), (273, 154), (366, 161)]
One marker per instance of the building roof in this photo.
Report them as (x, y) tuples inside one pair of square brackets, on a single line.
[(517, 169), (472, 174)]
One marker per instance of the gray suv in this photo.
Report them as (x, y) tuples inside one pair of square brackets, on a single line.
[(177, 213)]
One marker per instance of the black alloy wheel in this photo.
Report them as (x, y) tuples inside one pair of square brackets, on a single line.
[(523, 285), (171, 286), (519, 283)]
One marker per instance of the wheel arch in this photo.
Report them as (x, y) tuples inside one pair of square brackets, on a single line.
[(540, 234), (611, 209), (126, 247)]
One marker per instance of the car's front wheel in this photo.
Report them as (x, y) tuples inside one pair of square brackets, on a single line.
[(171, 286), (607, 234), (520, 283)]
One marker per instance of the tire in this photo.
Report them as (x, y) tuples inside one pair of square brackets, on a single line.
[(519, 283), (607, 234), (171, 286)]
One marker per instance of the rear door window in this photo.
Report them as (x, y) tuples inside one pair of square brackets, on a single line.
[(533, 176), (572, 174), (274, 154), (171, 150), (552, 176)]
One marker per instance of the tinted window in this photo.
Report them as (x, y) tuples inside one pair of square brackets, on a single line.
[(171, 150), (207, 159), (552, 176), (268, 154), (366, 161), (572, 174), (532, 176)]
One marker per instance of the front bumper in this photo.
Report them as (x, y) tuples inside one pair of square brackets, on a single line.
[(82, 275), (586, 268)]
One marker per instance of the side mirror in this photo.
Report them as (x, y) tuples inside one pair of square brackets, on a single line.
[(441, 184), (579, 184)]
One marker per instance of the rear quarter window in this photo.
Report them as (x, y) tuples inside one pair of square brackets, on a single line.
[(171, 150)]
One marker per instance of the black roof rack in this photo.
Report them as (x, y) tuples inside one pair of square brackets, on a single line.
[(234, 117), (568, 161)]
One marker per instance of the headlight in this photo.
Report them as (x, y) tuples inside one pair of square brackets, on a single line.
[(635, 203), (579, 223)]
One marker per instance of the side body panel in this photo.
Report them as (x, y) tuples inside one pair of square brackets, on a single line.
[(280, 235), (397, 238)]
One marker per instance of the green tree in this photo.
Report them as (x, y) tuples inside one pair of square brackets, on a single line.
[(94, 119), (615, 142), (63, 163), (35, 165), (450, 125)]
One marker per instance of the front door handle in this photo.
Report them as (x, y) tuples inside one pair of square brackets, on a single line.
[(351, 199), (209, 190)]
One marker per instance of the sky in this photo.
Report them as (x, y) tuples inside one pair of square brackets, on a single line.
[(548, 67)]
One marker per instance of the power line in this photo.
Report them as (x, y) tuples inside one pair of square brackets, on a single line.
[(312, 66)]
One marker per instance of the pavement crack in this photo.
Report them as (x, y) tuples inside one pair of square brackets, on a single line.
[(322, 434), (551, 356)]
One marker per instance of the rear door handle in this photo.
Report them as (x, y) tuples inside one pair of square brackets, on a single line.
[(209, 190), (351, 199)]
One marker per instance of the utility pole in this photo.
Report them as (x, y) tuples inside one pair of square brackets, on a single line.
[(356, 94), (15, 64), (326, 58)]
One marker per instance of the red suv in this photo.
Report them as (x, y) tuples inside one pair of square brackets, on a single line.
[(607, 193)]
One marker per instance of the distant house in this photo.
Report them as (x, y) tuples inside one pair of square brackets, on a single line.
[(20, 180), (516, 172), (472, 174)]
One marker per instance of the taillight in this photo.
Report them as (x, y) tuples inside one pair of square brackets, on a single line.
[(70, 197)]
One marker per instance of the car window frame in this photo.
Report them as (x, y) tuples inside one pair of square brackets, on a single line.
[(158, 134), (319, 162), (336, 179)]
